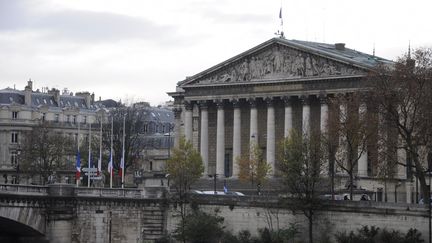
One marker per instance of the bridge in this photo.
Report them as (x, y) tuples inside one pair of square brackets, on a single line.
[(65, 213)]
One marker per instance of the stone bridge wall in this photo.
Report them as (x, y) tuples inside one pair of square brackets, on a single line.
[(338, 216)]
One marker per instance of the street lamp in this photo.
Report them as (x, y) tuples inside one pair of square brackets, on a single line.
[(17, 166), (214, 176)]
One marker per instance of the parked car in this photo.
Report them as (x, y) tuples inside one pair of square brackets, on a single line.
[(229, 193)]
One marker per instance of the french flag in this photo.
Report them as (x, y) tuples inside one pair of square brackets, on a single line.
[(110, 164), (121, 167), (78, 166)]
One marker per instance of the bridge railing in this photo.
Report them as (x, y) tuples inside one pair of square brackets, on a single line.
[(23, 189), (156, 192), (72, 190)]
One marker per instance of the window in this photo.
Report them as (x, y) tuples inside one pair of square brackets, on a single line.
[(43, 116), (74, 119), (85, 119), (56, 118), (14, 137), (68, 118), (14, 158), (151, 165), (14, 115)]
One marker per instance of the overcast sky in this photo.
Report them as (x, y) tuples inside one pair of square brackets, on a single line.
[(139, 49)]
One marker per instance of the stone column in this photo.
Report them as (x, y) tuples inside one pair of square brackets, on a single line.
[(188, 121), (324, 115), (342, 148), (362, 165), (323, 127), (177, 124), (236, 136), (271, 143), (204, 135), (306, 115), (220, 140), (288, 116), (253, 123)]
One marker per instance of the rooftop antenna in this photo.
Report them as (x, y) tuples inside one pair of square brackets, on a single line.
[(280, 32)]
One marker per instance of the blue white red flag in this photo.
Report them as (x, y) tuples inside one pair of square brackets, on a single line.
[(78, 166), (121, 166), (110, 164)]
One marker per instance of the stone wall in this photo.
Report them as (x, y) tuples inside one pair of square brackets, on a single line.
[(338, 216)]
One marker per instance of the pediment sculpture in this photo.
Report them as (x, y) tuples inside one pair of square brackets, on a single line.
[(278, 62)]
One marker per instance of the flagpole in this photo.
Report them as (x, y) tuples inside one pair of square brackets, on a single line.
[(89, 157), (100, 148), (76, 167), (123, 151), (111, 150)]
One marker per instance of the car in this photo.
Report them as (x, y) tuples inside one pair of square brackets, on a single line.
[(229, 193)]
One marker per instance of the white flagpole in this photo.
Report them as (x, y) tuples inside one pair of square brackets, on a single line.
[(89, 157), (78, 138), (123, 151), (111, 150), (100, 149)]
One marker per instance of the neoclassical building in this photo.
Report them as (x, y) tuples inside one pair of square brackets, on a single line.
[(259, 95)]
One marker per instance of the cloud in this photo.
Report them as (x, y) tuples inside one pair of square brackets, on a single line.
[(79, 25)]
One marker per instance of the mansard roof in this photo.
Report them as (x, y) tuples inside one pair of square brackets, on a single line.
[(331, 57), (12, 96), (9, 96)]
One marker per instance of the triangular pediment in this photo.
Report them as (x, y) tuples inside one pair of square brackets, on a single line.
[(283, 59)]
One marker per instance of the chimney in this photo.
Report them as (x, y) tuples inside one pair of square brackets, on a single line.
[(340, 46), (30, 84), (56, 95), (28, 92), (86, 96)]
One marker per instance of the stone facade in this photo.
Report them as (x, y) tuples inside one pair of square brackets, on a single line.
[(22, 110), (259, 95)]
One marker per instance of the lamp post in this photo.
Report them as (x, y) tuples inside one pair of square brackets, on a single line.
[(214, 176), (17, 166)]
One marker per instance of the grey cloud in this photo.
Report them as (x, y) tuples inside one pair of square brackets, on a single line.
[(84, 26)]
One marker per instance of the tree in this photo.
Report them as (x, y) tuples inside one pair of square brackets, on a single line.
[(202, 227), (134, 129), (45, 151), (253, 168), (350, 129), (184, 168), (301, 162), (403, 93)]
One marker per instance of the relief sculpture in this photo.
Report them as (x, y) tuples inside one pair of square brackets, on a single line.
[(277, 62)]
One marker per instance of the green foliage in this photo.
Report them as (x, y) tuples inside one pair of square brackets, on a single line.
[(200, 227), (301, 161), (184, 167), (413, 236), (265, 236), (375, 235), (252, 167)]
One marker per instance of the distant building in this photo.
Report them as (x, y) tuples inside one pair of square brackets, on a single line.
[(22, 110)]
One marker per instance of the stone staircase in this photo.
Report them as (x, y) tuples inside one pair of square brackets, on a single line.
[(152, 223)]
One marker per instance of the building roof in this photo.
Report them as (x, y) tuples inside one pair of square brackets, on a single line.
[(335, 52)]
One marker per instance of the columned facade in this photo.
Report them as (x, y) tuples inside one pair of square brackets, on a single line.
[(255, 99)]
